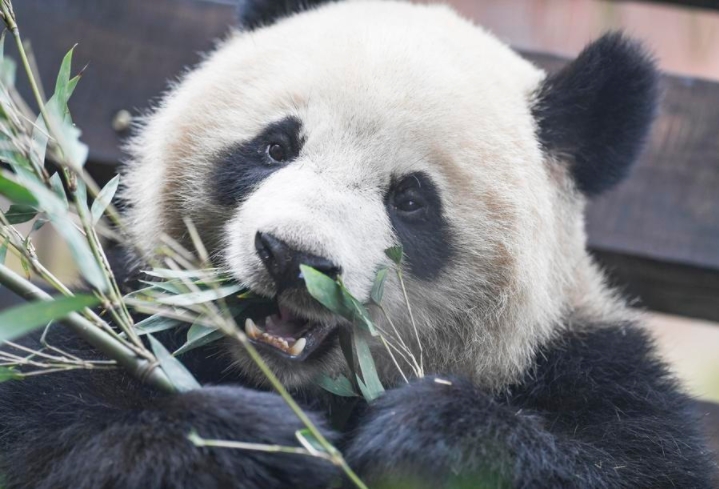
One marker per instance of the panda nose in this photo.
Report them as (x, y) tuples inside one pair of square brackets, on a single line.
[(283, 262)]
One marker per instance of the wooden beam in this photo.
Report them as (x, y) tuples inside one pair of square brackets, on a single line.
[(704, 4)]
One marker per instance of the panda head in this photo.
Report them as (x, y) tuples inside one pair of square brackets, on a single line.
[(327, 136)]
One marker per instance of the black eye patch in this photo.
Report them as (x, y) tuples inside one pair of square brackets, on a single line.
[(415, 209), (239, 169)]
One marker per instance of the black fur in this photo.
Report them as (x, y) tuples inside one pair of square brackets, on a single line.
[(103, 430), (257, 13), (240, 169), (598, 110), (597, 411), (425, 234)]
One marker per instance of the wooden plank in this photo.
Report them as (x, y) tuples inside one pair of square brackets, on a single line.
[(704, 4), (665, 215), (662, 286), (131, 48)]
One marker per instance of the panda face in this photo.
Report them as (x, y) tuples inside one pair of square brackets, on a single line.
[(337, 133)]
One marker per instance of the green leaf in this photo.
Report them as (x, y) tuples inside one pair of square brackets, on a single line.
[(359, 313), (200, 297), (345, 341), (155, 324), (8, 70), (3, 251), (66, 134), (58, 189), (371, 387), (104, 198), (341, 386), (16, 193), (81, 253), (7, 65), (180, 377), (326, 291), (8, 373), (63, 88), (20, 320), (39, 139), (56, 209), (198, 336), (19, 213), (39, 222), (395, 254), (157, 288), (309, 442), (168, 273), (378, 287)]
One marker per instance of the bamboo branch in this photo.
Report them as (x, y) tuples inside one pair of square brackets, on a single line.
[(141, 368)]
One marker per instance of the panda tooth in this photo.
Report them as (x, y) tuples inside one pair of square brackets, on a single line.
[(298, 347), (251, 329)]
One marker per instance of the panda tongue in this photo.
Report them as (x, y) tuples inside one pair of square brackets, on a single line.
[(285, 324)]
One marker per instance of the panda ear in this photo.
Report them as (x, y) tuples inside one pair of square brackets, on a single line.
[(257, 13), (597, 111)]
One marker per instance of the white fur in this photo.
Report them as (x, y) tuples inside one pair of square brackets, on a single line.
[(383, 88)]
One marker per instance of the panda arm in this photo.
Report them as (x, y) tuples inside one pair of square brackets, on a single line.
[(102, 429), (598, 412)]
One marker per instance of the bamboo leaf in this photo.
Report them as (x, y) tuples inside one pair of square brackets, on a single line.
[(8, 374), (7, 65), (180, 377), (20, 320), (341, 386), (168, 273), (16, 193), (198, 336), (58, 189), (39, 138), (335, 297), (200, 297), (3, 251), (56, 209), (309, 441), (104, 198), (395, 254), (66, 134), (8, 70), (63, 87), (81, 253), (19, 213), (326, 291), (155, 324), (369, 384), (378, 287), (360, 315), (39, 222)]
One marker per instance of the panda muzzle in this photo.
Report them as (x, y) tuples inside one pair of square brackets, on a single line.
[(285, 333)]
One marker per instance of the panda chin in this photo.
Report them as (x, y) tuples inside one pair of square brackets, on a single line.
[(287, 334)]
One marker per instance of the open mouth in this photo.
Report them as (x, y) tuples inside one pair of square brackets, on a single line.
[(285, 333)]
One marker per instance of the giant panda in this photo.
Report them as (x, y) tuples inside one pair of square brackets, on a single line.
[(323, 135)]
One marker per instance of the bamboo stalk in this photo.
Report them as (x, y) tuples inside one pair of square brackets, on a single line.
[(140, 368)]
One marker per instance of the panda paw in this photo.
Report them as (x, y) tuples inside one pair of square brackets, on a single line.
[(148, 446), (422, 435)]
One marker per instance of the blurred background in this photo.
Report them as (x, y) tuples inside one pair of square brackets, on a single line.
[(657, 234)]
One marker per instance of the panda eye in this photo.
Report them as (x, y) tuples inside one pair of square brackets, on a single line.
[(407, 198), (277, 152), (408, 204)]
